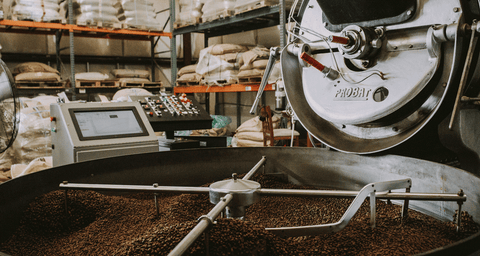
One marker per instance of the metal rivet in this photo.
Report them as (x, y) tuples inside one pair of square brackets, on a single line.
[(395, 47), (394, 129), (410, 46), (456, 9), (409, 12)]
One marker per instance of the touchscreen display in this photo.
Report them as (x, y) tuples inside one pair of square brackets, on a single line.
[(107, 123)]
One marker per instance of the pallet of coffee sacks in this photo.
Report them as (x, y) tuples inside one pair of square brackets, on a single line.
[(253, 64), (187, 76), (36, 74), (219, 64)]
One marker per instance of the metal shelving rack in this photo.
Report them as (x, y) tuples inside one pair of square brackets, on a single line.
[(262, 17), (59, 29)]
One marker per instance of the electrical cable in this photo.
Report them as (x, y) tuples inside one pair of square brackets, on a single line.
[(323, 38)]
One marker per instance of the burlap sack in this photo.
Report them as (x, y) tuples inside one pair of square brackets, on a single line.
[(254, 136), (246, 67), (4, 176), (219, 49), (255, 125), (251, 73), (191, 77), (37, 77), (257, 53), (122, 95), (133, 80), (96, 76), (187, 70), (260, 64), (36, 165), (284, 132), (33, 67), (131, 73), (230, 57), (249, 143)]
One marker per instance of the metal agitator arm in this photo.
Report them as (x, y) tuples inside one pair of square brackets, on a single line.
[(234, 195)]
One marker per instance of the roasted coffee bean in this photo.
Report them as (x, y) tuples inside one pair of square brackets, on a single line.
[(97, 224)]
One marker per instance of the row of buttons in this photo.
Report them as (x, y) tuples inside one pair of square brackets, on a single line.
[(181, 106)]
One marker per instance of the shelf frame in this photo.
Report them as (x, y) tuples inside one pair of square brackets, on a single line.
[(226, 88), (259, 18), (60, 29), (31, 27)]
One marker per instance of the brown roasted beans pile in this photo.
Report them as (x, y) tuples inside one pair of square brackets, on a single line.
[(97, 224)]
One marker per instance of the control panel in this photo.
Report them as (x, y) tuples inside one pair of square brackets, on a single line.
[(93, 130), (170, 113)]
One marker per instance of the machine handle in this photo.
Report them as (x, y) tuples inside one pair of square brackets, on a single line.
[(339, 40), (274, 54), (310, 60)]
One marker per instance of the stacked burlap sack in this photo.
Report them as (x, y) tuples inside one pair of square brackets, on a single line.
[(189, 12), (123, 94), (138, 14), (254, 62), (219, 127), (250, 133), (219, 64), (91, 76), (214, 9), (35, 10), (131, 75), (93, 12), (245, 5), (187, 75), (34, 139), (35, 72)]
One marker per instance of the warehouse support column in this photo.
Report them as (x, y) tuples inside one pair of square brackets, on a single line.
[(72, 51), (173, 44)]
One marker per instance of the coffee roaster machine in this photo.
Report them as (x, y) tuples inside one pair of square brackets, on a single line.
[(385, 83)]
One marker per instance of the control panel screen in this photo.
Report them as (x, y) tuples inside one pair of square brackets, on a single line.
[(107, 123)]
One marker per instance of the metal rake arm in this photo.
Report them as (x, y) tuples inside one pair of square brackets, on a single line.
[(368, 190)]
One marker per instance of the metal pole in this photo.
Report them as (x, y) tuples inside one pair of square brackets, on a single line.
[(463, 79), (173, 44), (283, 29), (72, 50), (203, 224), (155, 185), (58, 38), (239, 109), (137, 188), (373, 209), (346, 194), (207, 242), (459, 216), (255, 168), (152, 55), (66, 198), (405, 205)]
